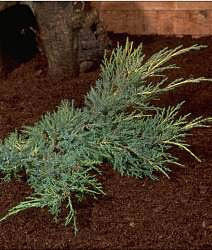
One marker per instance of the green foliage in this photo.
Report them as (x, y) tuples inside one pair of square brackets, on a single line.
[(62, 151)]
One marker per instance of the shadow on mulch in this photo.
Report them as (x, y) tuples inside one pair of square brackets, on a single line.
[(170, 213)]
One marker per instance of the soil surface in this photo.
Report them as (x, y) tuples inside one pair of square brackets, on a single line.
[(173, 213)]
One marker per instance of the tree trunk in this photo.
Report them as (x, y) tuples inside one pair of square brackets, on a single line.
[(59, 37), (57, 28)]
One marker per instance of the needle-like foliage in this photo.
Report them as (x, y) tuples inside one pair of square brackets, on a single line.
[(118, 124)]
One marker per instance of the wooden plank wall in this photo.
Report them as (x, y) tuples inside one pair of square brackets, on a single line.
[(163, 18)]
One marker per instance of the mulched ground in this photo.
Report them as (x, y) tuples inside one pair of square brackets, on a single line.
[(173, 213)]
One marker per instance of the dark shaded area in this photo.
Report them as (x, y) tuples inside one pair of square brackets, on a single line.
[(136, 214), (18, 29)]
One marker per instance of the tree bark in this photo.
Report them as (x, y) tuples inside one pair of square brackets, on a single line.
[(59, 37), (58, 34)]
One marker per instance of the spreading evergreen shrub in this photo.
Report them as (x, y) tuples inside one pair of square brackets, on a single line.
[(118, 124)]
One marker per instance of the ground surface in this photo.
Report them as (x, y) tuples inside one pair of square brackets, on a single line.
[(170, 213)]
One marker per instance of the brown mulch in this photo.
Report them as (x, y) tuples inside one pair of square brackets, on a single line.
[(173, 213)]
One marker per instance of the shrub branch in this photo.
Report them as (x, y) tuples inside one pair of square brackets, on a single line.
[(63, 152)]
